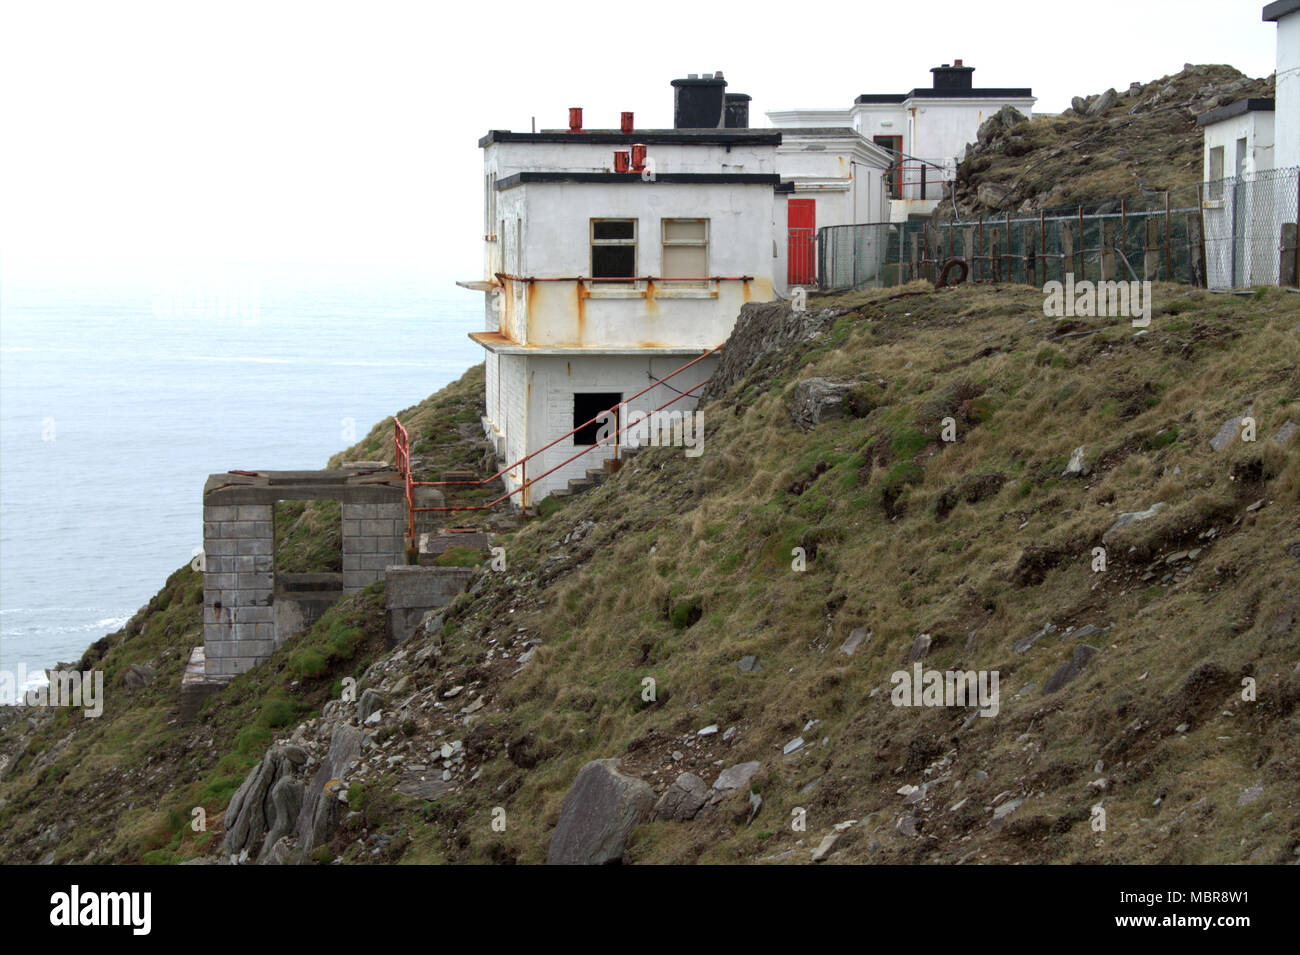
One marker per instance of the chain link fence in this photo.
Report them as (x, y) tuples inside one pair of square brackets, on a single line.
[(1224, 234)]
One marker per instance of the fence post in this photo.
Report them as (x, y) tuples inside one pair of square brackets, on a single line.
[(912, 270), (1029, 264), (968, 251), (980, 255), (1200, 233), (1042, 242), (1195, 251), (1067, 248), (1286, 268), (1107, 251), (1082, 263), (1169, 270), (1150, 245)]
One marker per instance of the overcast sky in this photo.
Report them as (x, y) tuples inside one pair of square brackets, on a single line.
[(178, 135)]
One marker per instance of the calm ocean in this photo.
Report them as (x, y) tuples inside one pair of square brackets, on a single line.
[(118, 399)]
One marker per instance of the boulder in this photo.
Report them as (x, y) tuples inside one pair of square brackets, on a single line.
[(1076, 467), (1069, 670), (1103, 102), (736, 777), (1129, 517), (371, 702), (850, 646), (991, 194), (138, 676), (683, 799), (820, 399), (599, 813)]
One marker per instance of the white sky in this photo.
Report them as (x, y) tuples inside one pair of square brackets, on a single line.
[(185, 135)]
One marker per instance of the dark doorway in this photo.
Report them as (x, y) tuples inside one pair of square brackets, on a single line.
[(587, 405)]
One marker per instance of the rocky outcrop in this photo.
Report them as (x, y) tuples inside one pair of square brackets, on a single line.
[(820, 399), (763, 330), (252, 811), (599, 813)]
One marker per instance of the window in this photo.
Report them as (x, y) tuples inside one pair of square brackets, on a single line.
[(587, 405), (613, 248), (1215, 190), (686, 248), (1242, 153)]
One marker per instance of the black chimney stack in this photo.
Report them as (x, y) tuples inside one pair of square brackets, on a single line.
[(698, 101), (955, 77), (737, 110)]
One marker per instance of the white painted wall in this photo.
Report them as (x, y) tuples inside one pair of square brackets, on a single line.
[(1256, 127), (1240, 242), (541, 390), (555, 237), (1287, 92)]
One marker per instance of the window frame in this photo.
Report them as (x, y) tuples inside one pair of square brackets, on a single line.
[(701, 280), (593, 242)]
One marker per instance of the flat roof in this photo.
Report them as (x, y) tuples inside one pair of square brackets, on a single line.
[(1280, 8), (617, 178), (651, 137), (992, 92), (1253, 105)]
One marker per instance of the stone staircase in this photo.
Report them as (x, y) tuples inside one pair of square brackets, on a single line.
[(596, 476)]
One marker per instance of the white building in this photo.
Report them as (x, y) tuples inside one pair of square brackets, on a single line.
[(831, 175), (1241, 141), (604, 274), (1286, 14), (927, 129)]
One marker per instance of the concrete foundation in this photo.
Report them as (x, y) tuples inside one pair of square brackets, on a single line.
[(411, 592)]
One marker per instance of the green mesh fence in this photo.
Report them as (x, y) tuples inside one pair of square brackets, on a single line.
[(1220, 234)]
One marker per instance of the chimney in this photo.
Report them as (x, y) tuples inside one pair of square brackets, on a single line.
[(698, 102), (625, 122), (955, 77), (737, 110), (575, 119)]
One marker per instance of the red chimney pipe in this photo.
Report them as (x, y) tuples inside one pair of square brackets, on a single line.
[(956, 62), (638, 157), (621, 160), (575, 119), (625, 122)]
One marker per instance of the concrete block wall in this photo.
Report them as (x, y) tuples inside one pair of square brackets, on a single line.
[(374, 538), (238, 580)]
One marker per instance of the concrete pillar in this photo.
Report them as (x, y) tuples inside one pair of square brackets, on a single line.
[(374, 537), (238, 621)]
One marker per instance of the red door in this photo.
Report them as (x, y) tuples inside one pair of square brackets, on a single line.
[(801, 220)]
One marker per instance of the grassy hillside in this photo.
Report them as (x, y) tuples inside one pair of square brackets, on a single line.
[(678, 567)]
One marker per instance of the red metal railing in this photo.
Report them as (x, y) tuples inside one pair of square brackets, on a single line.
[(916, 179), (503, 276), (402, 452)]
